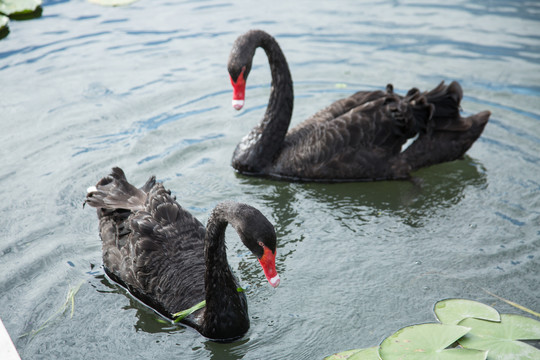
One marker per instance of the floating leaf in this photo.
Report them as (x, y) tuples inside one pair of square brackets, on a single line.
[(427, 341), (356, 354), (452, 311), (19, 7), (112, 2), (342, 355), (371, 353), (500, 338), (3, 22)]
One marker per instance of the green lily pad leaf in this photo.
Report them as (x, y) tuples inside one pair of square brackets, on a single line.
[(4, 29), (356, 354), (14, 8), (112, 2), (500, 338), (427, 341), (452, 311), (342, 355), (371, 353), (3, 22)]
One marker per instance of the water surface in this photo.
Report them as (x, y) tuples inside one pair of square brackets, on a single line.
[(145, 87)]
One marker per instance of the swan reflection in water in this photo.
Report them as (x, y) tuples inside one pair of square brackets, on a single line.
[(437, 187)]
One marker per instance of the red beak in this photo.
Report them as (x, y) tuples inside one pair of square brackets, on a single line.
[(268, 263), (239, 90)]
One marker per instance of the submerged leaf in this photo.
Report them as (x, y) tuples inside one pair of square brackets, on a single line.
[(516, 305), (500, 338), (452, 311), (162, 321), (70, 299), (427, 341)]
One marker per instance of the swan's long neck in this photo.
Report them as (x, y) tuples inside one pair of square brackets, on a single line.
[(259, 148), (226, 309)]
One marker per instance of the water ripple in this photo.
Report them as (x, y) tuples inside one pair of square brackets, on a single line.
[(138, 128), (106, 82), (180, 145)]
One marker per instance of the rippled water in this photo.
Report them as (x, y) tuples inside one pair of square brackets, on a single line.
[(145, 87)]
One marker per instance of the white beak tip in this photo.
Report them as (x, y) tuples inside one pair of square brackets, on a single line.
[(274, 281), (238, 104)]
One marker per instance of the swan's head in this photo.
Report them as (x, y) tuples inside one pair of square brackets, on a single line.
[(240, 61), (259, 236)]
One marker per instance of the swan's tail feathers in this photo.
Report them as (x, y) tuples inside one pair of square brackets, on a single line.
[(150, 183), (447, 100), (412, 113), (422, 109), (446, 144), (115, 192)]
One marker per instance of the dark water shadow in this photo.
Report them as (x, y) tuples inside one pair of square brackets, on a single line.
[(152, 322), (437, 187), (4, 32), (356, 205), (148, 320), (227, 351)]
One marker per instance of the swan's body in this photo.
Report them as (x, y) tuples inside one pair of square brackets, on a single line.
[(165, 257), (356, 138)]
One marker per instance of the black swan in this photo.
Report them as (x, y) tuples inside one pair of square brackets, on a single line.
[(167, 259), (358, 138)]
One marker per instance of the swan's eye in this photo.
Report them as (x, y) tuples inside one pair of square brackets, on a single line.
[(261, 244), (236, 78)]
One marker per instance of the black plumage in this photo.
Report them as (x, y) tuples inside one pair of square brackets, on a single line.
[(165, 257), (356, 138)]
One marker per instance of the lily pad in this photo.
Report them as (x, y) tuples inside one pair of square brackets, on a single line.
[(4, 29), (112, 2), (371, 353), (428, 341), (356, 354), (452, 311), (342, 355), (17, 8), (500, 338)]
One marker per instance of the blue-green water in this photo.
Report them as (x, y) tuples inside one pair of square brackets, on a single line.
[(145, 87)]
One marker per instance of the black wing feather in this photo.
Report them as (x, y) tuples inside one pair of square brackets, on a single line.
[(155, 249)]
